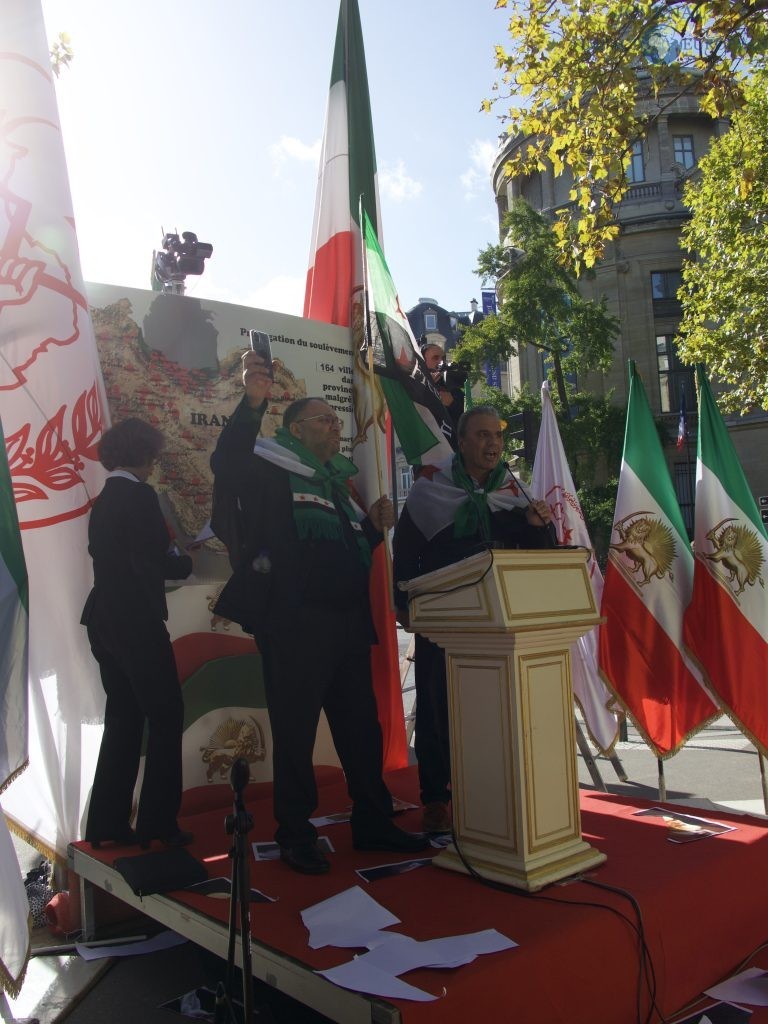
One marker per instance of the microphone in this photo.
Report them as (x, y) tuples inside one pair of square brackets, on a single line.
[(550, 526), (240, 775)]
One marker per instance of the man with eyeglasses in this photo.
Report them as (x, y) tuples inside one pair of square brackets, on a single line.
[(301, 588), (454, 510)]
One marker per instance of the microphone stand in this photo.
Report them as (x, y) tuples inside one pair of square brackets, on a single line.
[(238, 824), (550, 527)]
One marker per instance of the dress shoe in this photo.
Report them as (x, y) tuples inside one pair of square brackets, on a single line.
[(120, 837), (174, 840), (305, 858), (386, 836), (436, 817)]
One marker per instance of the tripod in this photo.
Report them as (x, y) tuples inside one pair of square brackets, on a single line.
[(238, 824)]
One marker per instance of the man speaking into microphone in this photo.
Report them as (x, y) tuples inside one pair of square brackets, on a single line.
[(454, 510)]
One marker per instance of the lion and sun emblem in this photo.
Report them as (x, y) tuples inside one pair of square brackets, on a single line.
[(737, 558), (647, 547)]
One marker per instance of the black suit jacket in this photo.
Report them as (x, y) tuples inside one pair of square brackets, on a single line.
[(129, 544), (277, 576)]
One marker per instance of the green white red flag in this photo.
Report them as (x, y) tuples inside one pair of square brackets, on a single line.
[(335, 294), (726, 623), (14, 647), (419, 417), (347, 171), (14, 632), (648, 584), (551, 480)]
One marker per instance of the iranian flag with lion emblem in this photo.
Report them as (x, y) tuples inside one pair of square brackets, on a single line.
[(648, 584), (726, 624)]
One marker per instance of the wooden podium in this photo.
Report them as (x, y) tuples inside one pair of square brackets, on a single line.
[(507, 620)]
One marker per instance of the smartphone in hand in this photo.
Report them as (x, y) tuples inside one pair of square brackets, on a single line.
[(260, 345)]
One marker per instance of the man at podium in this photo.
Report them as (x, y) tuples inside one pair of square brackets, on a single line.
[(454, 510)]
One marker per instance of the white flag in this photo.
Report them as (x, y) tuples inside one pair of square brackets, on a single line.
[(53, 416), (552, 481)]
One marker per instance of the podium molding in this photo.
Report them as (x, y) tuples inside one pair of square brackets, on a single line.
[(506, 620)]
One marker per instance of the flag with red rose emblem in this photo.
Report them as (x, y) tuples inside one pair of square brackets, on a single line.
[(53, 406), (551, 480)]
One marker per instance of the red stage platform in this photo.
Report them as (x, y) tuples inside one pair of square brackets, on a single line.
[(703, 904)]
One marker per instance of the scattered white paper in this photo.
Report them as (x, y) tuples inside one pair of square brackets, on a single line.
[(398, 954), (349, 919), (165, 940), (400, 867), (360, 977), (331, 819), (205, 534), (750, 987), (266, 851), (271, 850)]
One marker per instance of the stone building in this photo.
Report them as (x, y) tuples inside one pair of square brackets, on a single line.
[(640, 276)]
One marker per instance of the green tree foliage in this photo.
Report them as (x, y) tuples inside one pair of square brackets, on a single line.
[(540, 304), (587, 76), (61, 53), (725, 284)]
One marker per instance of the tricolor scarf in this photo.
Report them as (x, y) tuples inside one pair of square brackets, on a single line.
[(473, 516), (448, 496), (319, 490)]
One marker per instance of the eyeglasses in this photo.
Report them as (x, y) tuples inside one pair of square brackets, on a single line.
[(326, 418)]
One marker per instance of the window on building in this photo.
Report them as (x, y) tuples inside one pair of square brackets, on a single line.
[(406, 479), (430, 321), (685, 475), (665, 283), (636, 169), (664, 288), (674, 378), (684, 150)]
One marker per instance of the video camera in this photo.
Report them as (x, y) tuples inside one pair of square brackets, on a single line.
[(445, 374), (454, 375)]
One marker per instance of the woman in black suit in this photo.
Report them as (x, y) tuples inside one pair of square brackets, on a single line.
[(125, 616)]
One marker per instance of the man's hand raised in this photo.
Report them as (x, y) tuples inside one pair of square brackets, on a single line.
[(256, 378)]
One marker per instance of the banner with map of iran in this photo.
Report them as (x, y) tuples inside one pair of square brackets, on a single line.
[(175, 361)]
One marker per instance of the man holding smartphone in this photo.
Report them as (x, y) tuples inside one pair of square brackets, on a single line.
[(300, 586), (237, 438)]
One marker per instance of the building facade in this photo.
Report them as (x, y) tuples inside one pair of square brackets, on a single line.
[(640, 276)]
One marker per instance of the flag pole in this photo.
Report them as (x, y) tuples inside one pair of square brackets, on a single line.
[(687, 438), (764, 784), (374, 426)]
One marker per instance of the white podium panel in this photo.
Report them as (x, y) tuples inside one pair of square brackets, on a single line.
[(506, 623)]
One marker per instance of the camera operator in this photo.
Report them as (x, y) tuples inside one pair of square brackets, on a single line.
[(449, 379)]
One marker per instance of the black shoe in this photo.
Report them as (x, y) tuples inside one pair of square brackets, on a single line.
[(386, 836), (306, 858), (121, 837), (174, 840)]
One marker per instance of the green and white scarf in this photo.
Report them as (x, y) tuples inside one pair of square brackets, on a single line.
[(473, 516), (439, 499), (319, 490)]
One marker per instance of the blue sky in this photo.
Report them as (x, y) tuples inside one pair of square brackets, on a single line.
[(208, 117)]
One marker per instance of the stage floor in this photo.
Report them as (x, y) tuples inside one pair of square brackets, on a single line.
[(703, 904)]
